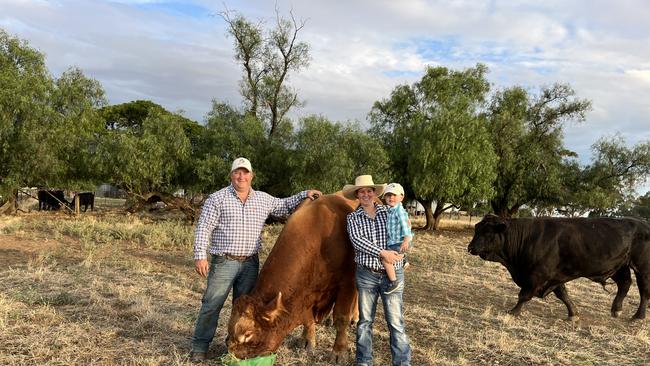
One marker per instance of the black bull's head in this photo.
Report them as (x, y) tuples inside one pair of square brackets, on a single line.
[(488, 237)]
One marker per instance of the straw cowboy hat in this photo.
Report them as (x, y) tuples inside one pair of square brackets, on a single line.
[(362, 181)]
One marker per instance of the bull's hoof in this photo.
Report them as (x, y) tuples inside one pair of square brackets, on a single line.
[(339, 357), (573, 318), (307, 345), (638, 316), (515, 313), (616, 314)]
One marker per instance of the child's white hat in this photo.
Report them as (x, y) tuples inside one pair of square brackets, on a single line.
[(394, 188)]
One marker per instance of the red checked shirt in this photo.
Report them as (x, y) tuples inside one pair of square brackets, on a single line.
[(229, 226)]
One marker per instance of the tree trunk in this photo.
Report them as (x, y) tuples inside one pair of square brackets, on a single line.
[(8, 207), (149, 199), (433, 216), (428, 213), (437, 215), (513, 210), (500, 209)]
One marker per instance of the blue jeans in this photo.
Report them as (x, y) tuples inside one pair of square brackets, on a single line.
[(224, 275), (370, 286)]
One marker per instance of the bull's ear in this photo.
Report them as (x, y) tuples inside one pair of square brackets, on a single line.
[(275, 309)]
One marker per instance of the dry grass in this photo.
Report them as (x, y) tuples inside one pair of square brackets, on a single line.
[(108, 289)]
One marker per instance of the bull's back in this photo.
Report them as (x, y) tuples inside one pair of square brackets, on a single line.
[(312, 251), (581, 247)]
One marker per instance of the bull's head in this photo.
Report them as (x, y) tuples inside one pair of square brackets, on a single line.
[(488, 238), (252, 327)]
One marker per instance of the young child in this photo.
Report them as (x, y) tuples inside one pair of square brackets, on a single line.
[(399, 231)]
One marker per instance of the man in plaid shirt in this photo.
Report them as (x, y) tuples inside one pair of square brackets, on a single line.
[(367, 231), (229, 228)]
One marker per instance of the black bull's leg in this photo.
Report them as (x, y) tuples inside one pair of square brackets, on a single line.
[(623, 280), (563, 295), (525, 294)]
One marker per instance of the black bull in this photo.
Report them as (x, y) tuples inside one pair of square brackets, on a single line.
[(542, 254)]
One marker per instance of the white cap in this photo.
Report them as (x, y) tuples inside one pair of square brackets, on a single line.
[(241, 163), (394, 188)]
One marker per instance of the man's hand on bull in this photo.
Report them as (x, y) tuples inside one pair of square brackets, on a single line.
[(390, 256), (202, 267), (313, 194)]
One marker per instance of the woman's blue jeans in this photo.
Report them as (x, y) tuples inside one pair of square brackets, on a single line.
[(224, 275), (371, 286)]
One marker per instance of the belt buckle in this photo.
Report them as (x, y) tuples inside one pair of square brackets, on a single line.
[(238, 258), (378, 271)]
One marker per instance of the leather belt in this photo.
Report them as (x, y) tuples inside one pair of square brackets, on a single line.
[(238, 258), (379, 271)]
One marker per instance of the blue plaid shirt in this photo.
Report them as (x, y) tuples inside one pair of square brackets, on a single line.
[(229, 226), (369, 236), (398, 225)]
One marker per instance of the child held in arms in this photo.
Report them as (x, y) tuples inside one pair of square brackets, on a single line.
[(398, 228)]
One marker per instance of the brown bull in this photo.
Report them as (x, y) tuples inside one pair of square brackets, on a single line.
[(309, 271)]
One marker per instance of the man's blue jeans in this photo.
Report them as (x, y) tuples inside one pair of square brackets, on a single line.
[(370, 286), (224, 275)]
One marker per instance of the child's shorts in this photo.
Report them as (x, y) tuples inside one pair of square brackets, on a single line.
[(395, 247)]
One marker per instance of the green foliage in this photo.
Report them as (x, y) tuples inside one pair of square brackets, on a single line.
[(76, 99), (145, 148), (25, 88), (129, 115), (609, 181), (327, 155), (526, 131), (47, 125), (641, 206), (146, 159), (438, 143), (228, 134)]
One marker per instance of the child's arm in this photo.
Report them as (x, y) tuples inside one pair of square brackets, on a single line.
[(405, 226), (405, 244)]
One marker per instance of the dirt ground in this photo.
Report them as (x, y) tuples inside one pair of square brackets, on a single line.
[(118, 290)]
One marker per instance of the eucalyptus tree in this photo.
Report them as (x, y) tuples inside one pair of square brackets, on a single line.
[(48, 125), (25, 89), (641, 206), (228, 134), (268, 57), (609, 181), (527, 134), (76, 100), (436, 139), (145, 159), (326, 155)]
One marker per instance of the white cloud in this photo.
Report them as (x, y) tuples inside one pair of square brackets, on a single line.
[(640, 75), (360, 51)]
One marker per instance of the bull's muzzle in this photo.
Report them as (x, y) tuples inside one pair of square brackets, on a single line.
[(471, 249)]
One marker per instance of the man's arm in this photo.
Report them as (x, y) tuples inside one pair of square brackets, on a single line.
[(283, 207), (207, 223)]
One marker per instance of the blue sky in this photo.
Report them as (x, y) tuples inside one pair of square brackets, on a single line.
[(177, 54)]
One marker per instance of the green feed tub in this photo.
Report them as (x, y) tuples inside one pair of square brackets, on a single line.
[(230, 360)]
